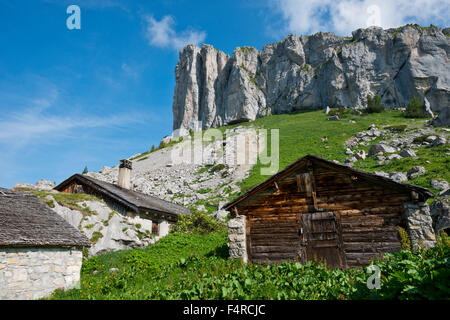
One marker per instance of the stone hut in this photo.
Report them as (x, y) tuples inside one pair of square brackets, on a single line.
[(151, 212), (315, 209), (39, 250)]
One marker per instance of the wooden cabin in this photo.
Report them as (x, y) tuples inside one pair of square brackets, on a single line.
[(316, 209)]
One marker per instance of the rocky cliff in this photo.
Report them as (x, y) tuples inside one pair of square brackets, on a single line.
[(312, 72)]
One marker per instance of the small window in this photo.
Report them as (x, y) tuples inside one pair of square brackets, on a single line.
[(155, 228)]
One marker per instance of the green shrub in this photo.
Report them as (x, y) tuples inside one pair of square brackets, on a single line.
[(96, 235), (50, 203), (421, 139), (415, 109), (404, 239), (197, 223), (204, 190), (90, 265), (217, 167), (374, 104), (397, 128)]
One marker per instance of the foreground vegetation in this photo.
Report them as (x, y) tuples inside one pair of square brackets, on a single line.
[(192, 266)]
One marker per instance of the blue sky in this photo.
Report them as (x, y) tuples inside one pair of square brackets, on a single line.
[(89, 97)]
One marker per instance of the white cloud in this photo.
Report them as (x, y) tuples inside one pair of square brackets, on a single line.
[(33, 125), (344, 16), (162, 34)]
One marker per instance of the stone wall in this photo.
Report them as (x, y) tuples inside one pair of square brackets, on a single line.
[(419, 224), (237, 241), (33, 273)]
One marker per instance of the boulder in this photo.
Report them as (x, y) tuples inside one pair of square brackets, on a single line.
[(405, 153), (360, 155), (380, 148), (382, 174), (393, 157), (443, 119), (398, 176), (415, 172), (439, 141), (439, 184), (440, 211)]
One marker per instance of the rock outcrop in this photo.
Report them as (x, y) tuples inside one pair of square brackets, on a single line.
[(312, 72)]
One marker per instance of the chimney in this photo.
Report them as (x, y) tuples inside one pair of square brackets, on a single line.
[(124, 179)]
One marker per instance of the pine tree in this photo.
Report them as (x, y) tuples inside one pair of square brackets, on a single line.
[(85, 170)]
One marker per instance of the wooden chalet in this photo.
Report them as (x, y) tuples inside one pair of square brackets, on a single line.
[(316, 209)]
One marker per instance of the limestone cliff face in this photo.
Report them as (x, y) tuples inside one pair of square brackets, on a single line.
[(312, 72)]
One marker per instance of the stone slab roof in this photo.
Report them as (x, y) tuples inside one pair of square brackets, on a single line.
[(136, 201), (25, 221)]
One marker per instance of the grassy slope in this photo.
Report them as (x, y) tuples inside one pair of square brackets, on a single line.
[(193, 266), (300, 134)]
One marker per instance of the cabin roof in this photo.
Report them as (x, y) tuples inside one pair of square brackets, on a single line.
[(136, 201), (25, 221), (301, 161)]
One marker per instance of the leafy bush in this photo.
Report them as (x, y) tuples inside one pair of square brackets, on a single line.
[(374, 104), (413, 275), (343, 112), (415, 109), (397, 128), (217, 167), (197, 223)]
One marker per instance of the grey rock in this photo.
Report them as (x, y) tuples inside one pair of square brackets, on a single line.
[(419, 224), (427, 108), (443, 119), (439, 184), (393, 157), (220, 215), (312, 72), (415, 172), (405, 153), (440, 211), (439, 141), (382, 174), (334, 118), (398, 176), (360, 155), (381, 148)]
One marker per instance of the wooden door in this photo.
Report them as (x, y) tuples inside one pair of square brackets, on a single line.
[(321, 239)]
